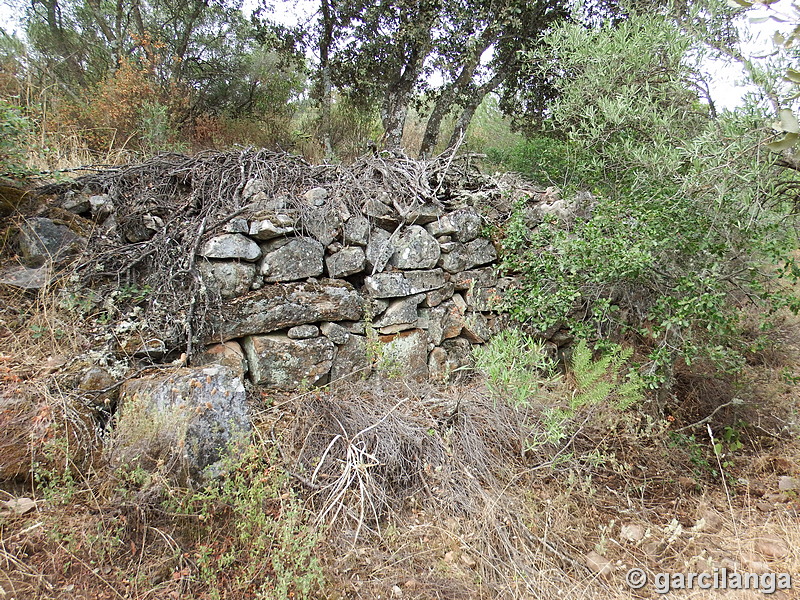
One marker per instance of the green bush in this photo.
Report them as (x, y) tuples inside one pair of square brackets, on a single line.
[(14, 130)]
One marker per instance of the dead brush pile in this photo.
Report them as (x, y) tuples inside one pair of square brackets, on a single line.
[(421, 473)]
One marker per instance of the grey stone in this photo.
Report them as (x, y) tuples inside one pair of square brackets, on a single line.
[(425, 281), (230, 246), (99, 384), (484, 277), (348, 261), (101, 206), (76, 202), (281, 306), (268, 229), (448, 247), (229, 279), (288, 260), (415, 248), (404, 355), (334, 247), (466, 256), (424, 214), (400, 312), (237, 225), (437, 365), (42, 241), (374, 307), (323, 224), (468, 225), (335, 333), (436, 297), (350, 361), (354, 327), (379, 249), (181, 424), (459, 353), (356, 231), (252, 187), (381, 213), (446, 321), (278, 362), (228, 354), (387, 285), (26, 278), (316, 196), (475, 329), (303, 332)]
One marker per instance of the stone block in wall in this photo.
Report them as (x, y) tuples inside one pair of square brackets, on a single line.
[(483, 277), (379, 250), (408, 283), (482, 299), (274, 226), (466, 256), (381, 213), (464, 225), (400, 315), (292, 259), (229, 279), (427, 213), (459, 353), (228, 354), (279, 362), (476, 330), (356, 231), (351, 361), (335, 333), (322, 224), (444, 321), (347, 261), (303, 332), (280, 306), (231, 246), (237, 225), (436, 297), (404, 355), (415, 248)]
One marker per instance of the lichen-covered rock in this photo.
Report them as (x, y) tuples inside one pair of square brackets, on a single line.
[(278, 362), (464, 225), (26, 278), (292, 259), (379, 249), (381, 213), (483, 277), (335, 333), (229, 279), (347, 261), (35, 429), (444, 322), (271, 227), (475, 329), (436, 297), (356, 231), (396, 284), (231, 246), (400, 315), (466, 256), (322, 224), (404, 355), (181, 424), (415, 248), (281, 306), (424, 214), (351, 360), (41, 241), (228, 354), (303, 332)]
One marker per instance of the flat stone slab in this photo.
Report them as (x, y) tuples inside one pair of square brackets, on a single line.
[(279, 362), (285, 305)]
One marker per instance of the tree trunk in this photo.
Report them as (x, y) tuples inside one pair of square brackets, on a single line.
[(325, 75), (465, 118)]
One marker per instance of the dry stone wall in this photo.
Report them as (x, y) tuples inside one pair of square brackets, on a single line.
[(347, 295)]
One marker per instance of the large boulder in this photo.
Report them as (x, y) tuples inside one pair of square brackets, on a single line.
[(41, 241), (404, 355), (281, 306), (292, 259), (279, 362), (41, 432), (181, 424)]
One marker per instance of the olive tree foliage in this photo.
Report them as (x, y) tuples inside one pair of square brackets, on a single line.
[(386, 52), (687, 221), (206, 49)]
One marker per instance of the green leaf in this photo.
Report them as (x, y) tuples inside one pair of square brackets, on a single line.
[(787, 142), (792, 75), (788, 122), (740, 3)]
